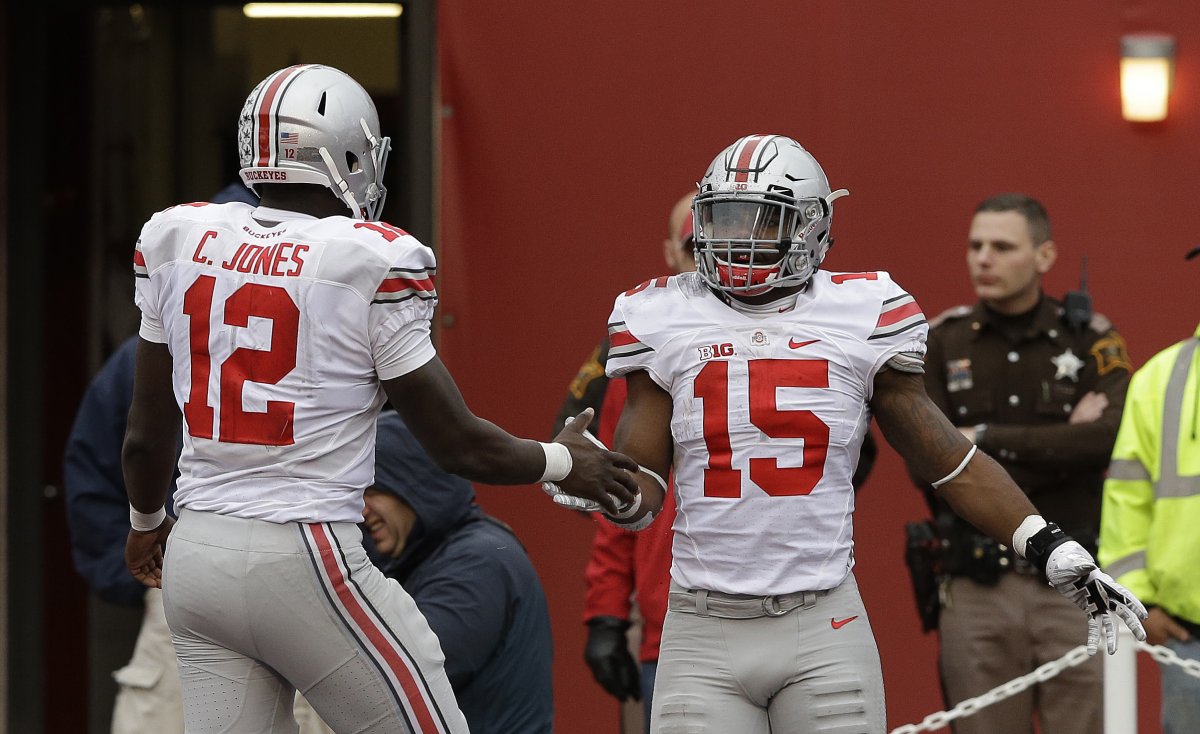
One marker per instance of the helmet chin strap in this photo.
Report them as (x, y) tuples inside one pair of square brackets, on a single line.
[(375, 193), (340, 186)]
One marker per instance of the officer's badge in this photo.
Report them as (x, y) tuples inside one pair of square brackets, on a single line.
[(1110, 354), (1066, 366), (758, 339), (958, 375)]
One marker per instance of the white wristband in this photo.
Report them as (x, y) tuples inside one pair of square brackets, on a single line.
[(558, 462), (630, 509), (142, 521), (1026, 530), (963, 465), (636, 504), (654, 476)]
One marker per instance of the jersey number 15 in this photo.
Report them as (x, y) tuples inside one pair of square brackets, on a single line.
[(765, 377)]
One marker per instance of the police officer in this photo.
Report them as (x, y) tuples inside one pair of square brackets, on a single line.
[(1040, 388)]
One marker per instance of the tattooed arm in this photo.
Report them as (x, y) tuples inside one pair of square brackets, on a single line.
[(982, 494)]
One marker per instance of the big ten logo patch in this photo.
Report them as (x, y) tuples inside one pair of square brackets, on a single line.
[(712, 351)]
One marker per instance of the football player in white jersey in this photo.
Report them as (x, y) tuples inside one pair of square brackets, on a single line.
[(753, 381), (271, 336)]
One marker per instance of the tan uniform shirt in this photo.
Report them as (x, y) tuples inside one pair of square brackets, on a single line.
[(1021, 377)]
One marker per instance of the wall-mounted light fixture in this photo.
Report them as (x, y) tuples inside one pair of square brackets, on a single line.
[(322, 10), (1147, 65)]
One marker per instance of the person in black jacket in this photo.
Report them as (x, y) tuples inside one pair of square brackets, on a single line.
[(470, 577)]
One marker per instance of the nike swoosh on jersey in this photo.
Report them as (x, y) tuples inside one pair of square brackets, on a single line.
[(837, 624), (796, 345)]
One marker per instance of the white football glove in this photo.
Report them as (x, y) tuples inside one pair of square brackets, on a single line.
[(570, 501), (1072, 571)]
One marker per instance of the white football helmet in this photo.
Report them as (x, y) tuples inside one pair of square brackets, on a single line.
[(314, 124), (762, 217)]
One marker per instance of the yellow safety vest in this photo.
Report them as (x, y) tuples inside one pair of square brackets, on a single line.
[(1150, 517)]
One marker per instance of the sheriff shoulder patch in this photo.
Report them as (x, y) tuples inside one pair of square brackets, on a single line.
[(590, 370), (1111, 354)]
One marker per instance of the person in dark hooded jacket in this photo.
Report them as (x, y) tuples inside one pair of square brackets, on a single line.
[(471, 578)]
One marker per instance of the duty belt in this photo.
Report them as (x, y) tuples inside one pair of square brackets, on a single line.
[(707, 603)]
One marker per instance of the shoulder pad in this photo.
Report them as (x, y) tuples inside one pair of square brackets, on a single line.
[(380, 233), (1100, 324), (192, 204), (659, 282), (388, 232), (949, 314)]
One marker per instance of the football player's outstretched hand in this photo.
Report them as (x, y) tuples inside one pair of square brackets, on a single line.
[(570, 501), (597, 474), (1073, 572)]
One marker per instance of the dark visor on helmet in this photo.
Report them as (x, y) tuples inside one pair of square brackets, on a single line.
[(743, 220)]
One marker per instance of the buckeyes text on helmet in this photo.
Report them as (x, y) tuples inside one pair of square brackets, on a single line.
[(762, 216), (314, 124)]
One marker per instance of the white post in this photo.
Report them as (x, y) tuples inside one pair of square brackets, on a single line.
[(1120, 684)]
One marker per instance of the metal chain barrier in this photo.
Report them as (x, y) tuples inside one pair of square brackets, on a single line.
[(1167, 656), (942, 719)]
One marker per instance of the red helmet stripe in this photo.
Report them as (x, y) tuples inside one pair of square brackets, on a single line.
[(265, 119), (749, 146)]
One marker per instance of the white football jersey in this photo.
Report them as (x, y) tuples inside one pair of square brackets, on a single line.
[(769, 413), (280, 337)]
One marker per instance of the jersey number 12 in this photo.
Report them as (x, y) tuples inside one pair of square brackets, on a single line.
[(274, 427)]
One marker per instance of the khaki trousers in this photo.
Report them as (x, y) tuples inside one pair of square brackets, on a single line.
[(148, 698), (992, 634)]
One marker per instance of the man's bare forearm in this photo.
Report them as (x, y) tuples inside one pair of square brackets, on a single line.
[(982, 493), (459, 441), (986, 497), (152, 433), (149, 464), (644, 434)]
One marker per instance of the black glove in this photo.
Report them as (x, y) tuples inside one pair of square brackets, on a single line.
[(607, 654)]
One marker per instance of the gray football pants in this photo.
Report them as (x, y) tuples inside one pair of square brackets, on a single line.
[(799, 664), (258, 610)]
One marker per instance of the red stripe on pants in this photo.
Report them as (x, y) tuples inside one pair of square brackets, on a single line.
[(412, 689)]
